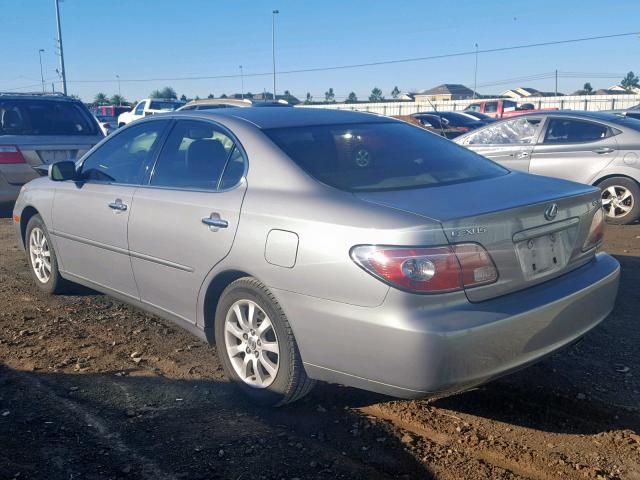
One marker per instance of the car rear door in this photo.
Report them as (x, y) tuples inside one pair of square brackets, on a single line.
[(509, 142), (90, 216), (185, 217), (573, 149)]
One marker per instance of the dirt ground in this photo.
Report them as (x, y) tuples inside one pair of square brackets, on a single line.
[(74, 404)]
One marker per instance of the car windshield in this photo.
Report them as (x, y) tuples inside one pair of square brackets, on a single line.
[(164, 105), (380, 156), (457, 119), (106, 118), (44, 117)]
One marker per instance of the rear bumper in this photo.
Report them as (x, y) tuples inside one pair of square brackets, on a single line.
[(413, 346)]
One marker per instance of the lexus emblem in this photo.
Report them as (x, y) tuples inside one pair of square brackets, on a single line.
[(551, 211)]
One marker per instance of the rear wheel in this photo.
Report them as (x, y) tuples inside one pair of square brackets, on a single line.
[(42, 258), (620, 200), (256, 345)]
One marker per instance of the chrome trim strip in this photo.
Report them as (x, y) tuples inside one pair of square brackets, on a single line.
[(123, 251), (544, 229)]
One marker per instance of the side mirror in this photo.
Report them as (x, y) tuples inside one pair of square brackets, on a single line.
[(61, 171)]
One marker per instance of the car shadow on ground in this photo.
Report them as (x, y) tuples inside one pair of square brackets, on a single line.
[(135, 424)]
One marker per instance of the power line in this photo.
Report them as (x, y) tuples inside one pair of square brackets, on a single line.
[(368, 64)]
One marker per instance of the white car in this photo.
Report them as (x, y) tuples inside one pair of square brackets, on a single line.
[(149, 106)]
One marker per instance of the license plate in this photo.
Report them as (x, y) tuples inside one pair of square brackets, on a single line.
[(543, 255), (52, 156)]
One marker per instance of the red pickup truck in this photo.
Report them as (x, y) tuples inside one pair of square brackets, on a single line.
[(503, 108)]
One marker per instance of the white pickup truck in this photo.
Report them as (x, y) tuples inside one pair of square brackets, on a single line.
[(149, 106)]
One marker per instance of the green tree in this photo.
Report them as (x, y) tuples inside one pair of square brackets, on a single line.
[(166, 92), (630, 81), (183, 97), (352, 98), (118, 100), (395, 93), (587, 89), (101, 99), (248, 95), (309, 98), (329, 96), (224, 95), (211, 96), (376, 95)]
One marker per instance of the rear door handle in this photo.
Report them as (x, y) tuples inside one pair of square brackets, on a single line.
[(118, 205), (214, 222), (602, 150), (520, 155)]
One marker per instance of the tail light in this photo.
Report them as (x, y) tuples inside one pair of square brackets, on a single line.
[(106, 125), (10, 154), (596, 231), (429, 269)]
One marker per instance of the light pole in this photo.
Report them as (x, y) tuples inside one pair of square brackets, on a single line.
[(475, 75), (119, 93), (62, 72), (41, 74), (273, 48), (241, 82)]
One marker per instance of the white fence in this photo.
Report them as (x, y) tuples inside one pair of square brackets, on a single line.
[(569, 102)]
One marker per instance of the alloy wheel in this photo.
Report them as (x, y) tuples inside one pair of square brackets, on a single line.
[(617, 201), (252, 344), (40, 254)]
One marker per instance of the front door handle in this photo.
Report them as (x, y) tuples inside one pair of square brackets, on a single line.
[(118, 205), (214, 222), (519, 155), (602, 150)]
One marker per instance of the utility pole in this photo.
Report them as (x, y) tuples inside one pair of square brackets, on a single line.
[(119, 93), (556, 82), (41, 74), (62, 72), (475, 74), (241, 82), (273, 48)]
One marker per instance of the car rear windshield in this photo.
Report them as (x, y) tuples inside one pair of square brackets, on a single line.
[(160, 105), (380, 156), (44, 117)]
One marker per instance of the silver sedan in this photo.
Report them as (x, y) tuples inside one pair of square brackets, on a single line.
[(326, 245), (596, 148)]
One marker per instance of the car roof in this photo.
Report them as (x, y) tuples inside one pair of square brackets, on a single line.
[(604, 116), (276, 117), (36, 96)]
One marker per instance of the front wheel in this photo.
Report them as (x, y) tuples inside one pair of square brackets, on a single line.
[(620, 200), (256, 345), (42, 258)]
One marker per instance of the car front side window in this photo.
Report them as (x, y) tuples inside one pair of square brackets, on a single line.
[(198, 155), (562, 130), (140, 109), (516, 131), (123, 159)]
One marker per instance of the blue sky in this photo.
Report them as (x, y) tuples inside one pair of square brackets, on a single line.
[(141, 39)]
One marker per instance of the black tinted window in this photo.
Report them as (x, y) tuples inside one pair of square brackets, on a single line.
[(574, 131), (195, 155), (380, 156), (45, 117), (125, 157), (491, 107), (164, 105)]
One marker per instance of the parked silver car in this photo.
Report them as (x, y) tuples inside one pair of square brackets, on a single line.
[(596, 148), (326, 245), (37, 129)]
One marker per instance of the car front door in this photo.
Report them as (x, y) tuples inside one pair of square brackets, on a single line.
[(90, 216), (185, 217), (509, 142), (574, 149)]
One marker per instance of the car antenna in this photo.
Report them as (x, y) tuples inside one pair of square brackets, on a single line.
[(438, 115)]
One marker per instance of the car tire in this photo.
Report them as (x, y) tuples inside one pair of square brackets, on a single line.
[(621, 194), (43, 262), (250, 327)]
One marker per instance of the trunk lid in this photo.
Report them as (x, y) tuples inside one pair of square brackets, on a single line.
[(506, 215)]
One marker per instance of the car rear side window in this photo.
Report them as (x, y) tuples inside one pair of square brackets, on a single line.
[(124, 158), (380, 156), (45, 117), (195, 156), (563, 130)]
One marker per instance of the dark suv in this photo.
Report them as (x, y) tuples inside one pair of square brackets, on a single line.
[(39, 129)]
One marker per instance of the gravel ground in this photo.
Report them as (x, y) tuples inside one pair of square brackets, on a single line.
[(78, 402)]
